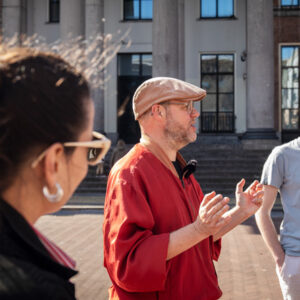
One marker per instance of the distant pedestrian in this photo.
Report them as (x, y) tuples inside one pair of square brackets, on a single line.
[(100, 171), (281, 173), (46, 145), (119, 151)]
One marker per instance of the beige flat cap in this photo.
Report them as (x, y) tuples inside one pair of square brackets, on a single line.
[(162, 89)]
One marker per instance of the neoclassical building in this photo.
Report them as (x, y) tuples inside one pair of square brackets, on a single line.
[(245, 53)]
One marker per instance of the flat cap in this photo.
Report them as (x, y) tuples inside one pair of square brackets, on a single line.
[(162, 89)]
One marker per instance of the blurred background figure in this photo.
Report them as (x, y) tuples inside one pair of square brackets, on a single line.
[(46, 145), (119, 151)]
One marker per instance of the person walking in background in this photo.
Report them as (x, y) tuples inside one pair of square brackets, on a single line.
[(281, 173), (118, 152), (46, 145), (161, 234)]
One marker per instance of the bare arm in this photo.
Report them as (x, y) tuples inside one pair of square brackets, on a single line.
[(209, 220), (266, 225)]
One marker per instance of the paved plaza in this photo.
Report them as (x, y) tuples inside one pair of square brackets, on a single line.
[(245, 269)]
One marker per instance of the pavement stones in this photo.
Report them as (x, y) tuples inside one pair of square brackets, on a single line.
[(245, 269)]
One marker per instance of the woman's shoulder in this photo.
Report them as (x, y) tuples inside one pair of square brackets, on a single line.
[(22, 279)]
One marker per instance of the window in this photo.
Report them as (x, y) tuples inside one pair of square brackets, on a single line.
[(217, 78), (216, 9), (137, 9), (290, 88), (53, 11), (289, 3), (134, 64), (133, 69)]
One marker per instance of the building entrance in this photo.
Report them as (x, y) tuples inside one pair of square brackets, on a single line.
[(133, 69)]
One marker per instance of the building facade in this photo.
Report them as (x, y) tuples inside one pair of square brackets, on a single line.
[(286, 62), (244, 53)]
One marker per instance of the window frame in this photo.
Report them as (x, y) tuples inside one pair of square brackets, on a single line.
[(140, 13), (140, 54), (217, 111), (290, 6), (217, 12), (281, 88)]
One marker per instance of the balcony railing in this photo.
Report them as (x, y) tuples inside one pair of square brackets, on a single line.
[(217, 122)]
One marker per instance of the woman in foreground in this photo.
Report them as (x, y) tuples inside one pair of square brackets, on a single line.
[(46, 145)]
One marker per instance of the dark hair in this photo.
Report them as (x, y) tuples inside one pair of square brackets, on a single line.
[(42, 101)]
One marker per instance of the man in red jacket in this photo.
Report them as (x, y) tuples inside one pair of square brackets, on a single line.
[(160, 234)]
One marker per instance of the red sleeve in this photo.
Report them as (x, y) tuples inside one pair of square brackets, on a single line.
[(216, 248), (134, 257)]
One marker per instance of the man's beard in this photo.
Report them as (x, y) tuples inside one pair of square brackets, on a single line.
[(176, 135)]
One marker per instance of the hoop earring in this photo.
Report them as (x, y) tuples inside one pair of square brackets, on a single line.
[(53, 198)]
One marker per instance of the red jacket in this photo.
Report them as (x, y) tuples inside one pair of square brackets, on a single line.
[(144, 202)]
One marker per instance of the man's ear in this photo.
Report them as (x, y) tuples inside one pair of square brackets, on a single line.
[(53, 161), (158, 111)]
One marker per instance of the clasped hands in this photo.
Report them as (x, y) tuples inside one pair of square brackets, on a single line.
[(214, 209)]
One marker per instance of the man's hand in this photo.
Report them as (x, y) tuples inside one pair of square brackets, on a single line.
[(280, 260), (249, 200), (211, 214)]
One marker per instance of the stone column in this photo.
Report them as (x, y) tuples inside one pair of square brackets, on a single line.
[(168, 38), (94, 14), (13, 17), (260, 70), (71, 18), (94, 24)]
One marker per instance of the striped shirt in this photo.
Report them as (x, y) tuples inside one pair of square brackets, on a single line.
[(55, 252)]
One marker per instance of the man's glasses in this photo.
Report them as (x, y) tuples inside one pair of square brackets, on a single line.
[(188, 106), (97, 148)]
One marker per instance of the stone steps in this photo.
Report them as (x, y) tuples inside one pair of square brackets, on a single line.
[(220, 167), (93, 184)]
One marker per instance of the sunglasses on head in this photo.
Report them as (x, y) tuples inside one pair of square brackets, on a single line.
[(97, 148)]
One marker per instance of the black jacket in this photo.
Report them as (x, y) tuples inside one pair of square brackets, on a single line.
[(27, 271)]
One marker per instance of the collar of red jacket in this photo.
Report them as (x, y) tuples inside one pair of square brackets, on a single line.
[(159, 153)]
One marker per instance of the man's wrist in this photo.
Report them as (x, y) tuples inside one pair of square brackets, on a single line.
[(199, 230), (242, 212)]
